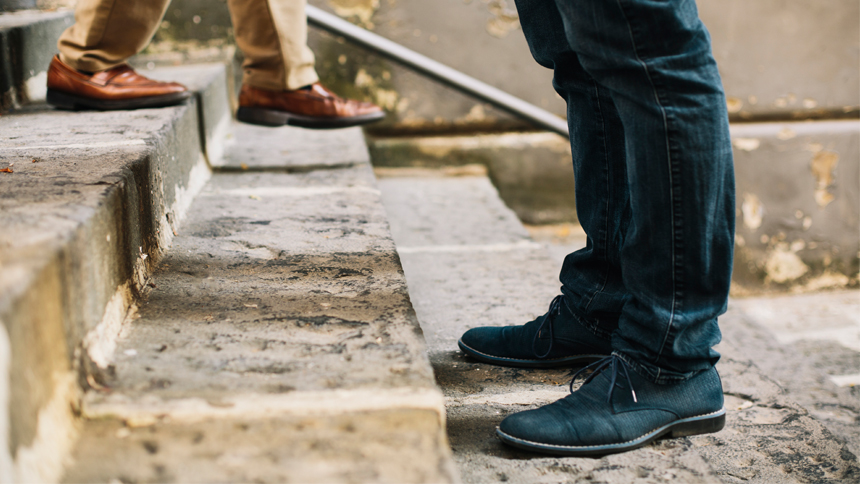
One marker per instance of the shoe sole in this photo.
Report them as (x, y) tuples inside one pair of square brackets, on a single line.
[(71, 102), (578, 360), (703, 424), (271, 117)]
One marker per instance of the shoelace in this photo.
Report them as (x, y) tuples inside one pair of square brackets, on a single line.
[(554, 306), (612, 362)]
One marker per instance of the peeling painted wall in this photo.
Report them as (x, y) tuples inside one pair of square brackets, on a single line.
[(798, 205)]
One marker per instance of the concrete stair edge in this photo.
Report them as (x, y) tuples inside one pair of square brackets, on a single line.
[(72, 293)]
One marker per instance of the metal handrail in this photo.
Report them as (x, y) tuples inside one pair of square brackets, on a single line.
[(436, 70)]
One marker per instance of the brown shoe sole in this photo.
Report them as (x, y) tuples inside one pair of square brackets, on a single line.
[(271, 117), (63, 100)]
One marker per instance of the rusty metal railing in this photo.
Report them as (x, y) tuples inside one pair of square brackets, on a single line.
[(437, 70)]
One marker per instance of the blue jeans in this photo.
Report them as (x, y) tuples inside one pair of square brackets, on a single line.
[(654, 182)]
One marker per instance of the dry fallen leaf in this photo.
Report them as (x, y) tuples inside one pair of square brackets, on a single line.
[(6, 170), (96, 385), (137, 421)]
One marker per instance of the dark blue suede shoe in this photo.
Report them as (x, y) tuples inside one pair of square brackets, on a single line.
[(616, 410), (543, 343)]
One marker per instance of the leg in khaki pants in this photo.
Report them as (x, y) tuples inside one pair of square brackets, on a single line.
[(280, 84)]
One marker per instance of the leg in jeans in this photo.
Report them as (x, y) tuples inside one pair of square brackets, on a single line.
[(653, 166), (577, 328), (671, 225), (676, 253), (591, 277)]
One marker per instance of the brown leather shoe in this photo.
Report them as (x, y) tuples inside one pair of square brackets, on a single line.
[(117, 88), (316, 107)]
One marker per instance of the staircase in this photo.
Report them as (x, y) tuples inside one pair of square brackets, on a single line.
[(188, 300)]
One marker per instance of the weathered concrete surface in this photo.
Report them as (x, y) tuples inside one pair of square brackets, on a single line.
[(810, 344), (91, 201), (559, 240), (250, 148), (768, 438), (28, 40), (12, 5), (277, 343)]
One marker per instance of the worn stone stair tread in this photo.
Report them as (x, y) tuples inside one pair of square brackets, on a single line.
[(288, 148), (452, 202), (209, 82), (28, 17), (285, 283), (279, 336), (64, 160)]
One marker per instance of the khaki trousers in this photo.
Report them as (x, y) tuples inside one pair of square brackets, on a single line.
[(271, 33)]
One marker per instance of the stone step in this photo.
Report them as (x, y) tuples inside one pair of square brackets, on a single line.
[(90, 201), (277, 342), (469, 262), (28, 41)]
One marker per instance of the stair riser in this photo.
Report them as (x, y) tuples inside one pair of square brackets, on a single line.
[(28, 41)]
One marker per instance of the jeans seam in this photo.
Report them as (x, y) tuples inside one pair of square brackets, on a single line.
[(605, 234), (671, 174)]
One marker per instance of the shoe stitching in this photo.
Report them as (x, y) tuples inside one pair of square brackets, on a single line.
[(715, 414)]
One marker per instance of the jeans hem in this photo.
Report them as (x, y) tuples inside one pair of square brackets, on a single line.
[(592, 326), (654, 373)]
